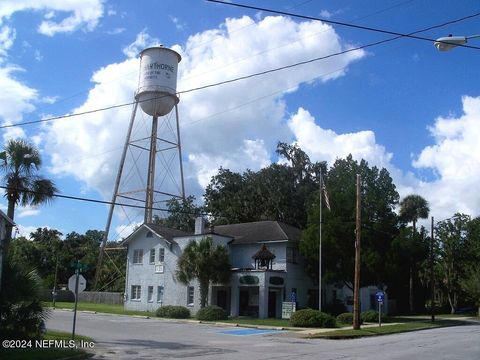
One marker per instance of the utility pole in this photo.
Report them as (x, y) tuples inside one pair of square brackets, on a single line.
[(432, 276), (356, 287), (320, 248)]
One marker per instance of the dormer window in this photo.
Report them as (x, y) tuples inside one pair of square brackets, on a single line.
[(149, 234)]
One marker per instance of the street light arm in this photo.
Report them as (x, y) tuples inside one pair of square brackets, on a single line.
[(449, 42)]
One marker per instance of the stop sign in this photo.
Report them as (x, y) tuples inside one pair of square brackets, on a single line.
[(82, 283)]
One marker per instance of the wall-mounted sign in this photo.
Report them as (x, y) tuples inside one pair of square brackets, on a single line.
[(276, 280), (248, 280)]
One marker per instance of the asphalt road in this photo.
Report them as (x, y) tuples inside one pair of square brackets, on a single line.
[(122, 337)]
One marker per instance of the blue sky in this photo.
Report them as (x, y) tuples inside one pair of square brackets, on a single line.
[(401, 105)]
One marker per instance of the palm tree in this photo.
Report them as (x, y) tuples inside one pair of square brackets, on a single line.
[(412, 208), (207, 263), (22, 314), (19, 163)]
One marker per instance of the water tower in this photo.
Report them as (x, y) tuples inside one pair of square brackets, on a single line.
[(152, 151)]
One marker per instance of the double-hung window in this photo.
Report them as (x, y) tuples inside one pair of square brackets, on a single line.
[(161, 255), (136, 292), (160, 294), (152, 256), (150, 294), (190, 295), (138, 256)]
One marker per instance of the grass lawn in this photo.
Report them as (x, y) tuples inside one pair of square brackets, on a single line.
[(49, 352), (101, 308), (408, 325)]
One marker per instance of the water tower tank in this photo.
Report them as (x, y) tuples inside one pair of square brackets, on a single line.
[(157, 84)]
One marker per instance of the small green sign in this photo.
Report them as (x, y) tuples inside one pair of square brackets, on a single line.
[(249, 280)]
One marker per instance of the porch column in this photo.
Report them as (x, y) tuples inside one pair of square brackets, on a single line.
[(234, 296), (262, 302)]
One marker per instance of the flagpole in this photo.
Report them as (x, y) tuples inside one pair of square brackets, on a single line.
[(320, 246)]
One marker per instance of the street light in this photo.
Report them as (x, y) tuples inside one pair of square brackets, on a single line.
[(449, 42)]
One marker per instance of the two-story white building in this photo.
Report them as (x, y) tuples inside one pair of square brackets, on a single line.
[(267, 268)]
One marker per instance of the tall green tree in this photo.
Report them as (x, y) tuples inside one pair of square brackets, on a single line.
[(408, 250), (50, 255), (278, 192), (206, 262), (454, 255), (412, 208), (379, 197), (181, 214), (470, 284), (20, 163)]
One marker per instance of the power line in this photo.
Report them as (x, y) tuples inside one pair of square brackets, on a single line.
[(361, 27), (97, 201), (245, 77)]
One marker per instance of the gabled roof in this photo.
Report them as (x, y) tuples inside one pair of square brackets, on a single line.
[(7, 219), (162, 231), (260, 231), (166, 232)]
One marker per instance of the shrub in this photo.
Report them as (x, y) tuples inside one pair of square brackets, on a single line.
[(347, 318), (371, 316), (312, 318), (173, 312), (22, 315), (212, 313)]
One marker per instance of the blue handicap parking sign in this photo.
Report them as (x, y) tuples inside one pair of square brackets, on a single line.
[(380, 296)]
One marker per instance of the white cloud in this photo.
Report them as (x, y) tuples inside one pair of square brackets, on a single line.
[(116, 31), (26, 211), (59, 16), (326, 14), (252, 155), (7, 38), (14, 102), (38, 55), (179, 25), (49, 99), (455, 159), (142, 41), (89, 147), (122, 231), (327, 145)]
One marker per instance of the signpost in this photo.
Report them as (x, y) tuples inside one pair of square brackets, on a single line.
[(76, 284), (380, 296), (288, 308)]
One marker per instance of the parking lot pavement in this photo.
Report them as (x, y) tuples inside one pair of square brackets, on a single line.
[(122, 337)]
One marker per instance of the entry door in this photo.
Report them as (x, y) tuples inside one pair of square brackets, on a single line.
[(272, 304), (222, 299), (242, 309)]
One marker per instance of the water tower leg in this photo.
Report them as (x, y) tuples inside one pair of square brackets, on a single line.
[(114, 197), (180, 153), (151, 173)]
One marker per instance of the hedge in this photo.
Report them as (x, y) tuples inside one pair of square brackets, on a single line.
[(371, 316), (173, 312), (212, 313), (312, 318)]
